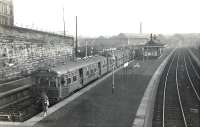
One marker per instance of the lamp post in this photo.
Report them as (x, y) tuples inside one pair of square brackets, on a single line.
[(113, 80), (113, 74)]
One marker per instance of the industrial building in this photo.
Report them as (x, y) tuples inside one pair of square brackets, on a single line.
[(6, 12)]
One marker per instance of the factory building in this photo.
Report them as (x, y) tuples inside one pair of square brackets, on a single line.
[(6, 12)]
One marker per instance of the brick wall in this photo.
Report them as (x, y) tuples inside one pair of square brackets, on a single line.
[(22, 50)]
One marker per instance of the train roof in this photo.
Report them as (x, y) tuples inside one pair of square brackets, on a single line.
[(70, 66), (116, 53)]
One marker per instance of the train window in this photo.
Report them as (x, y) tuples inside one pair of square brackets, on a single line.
[(69, 74), (74, 78), (91, 70), (37, 80), (87, 72), (95, 69), (68, 80), (62, 81), (86, 68), (44, 81), (53, 82)]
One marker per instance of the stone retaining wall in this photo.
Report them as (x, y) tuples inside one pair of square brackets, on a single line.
[(22, 50)]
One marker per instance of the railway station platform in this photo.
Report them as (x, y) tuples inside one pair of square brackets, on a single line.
[(96, 105)]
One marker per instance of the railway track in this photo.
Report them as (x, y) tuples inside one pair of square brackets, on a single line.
[(16, 103), (14, 91), (177, 100), (20, 111)]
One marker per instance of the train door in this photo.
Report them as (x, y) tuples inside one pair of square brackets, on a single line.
[(99, 68), (107, 64), (81, 75), (123, 57), (116, 61)]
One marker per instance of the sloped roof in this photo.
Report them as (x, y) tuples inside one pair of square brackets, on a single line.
[(154, 43), (133, 35)]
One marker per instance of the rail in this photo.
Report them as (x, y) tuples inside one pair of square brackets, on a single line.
[(179, 97), (6, 83), (194, 68), (191, 83), (164, 94)]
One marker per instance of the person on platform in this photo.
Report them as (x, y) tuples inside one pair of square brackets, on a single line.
[(45, 103)]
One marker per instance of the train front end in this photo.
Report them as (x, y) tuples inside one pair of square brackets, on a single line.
[(45, 81)]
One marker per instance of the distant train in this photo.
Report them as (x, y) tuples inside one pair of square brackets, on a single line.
[(60, 81)]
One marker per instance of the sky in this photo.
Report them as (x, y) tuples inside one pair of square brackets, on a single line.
[(109, 17)]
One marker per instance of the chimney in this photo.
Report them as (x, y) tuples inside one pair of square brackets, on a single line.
[(76, 42), (151, 37), (154, 37), (140, 27)]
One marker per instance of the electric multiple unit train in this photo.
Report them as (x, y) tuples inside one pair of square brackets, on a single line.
[(60, 81)]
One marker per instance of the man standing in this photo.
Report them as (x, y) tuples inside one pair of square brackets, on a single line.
[(45, 103)]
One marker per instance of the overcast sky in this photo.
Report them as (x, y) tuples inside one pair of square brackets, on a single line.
[(110, 17)]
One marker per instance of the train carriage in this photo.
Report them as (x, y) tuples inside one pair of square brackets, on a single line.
[(58, 82), (119, 58), (91, 71), (102, 63), (126, 56), (110, 63)]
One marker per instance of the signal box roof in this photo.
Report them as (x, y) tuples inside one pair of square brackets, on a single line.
[(153, 43)]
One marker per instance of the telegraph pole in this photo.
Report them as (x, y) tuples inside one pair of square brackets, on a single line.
[(113, 74), (86, 48), (113, 79), (64, 21), (140, 27), (76, 44)]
